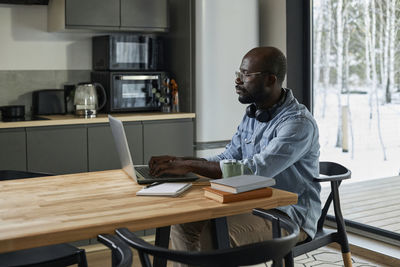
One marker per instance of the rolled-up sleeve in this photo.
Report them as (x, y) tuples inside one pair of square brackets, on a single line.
[(232, 151)]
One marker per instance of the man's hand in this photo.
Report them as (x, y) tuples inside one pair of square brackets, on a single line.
[(168, 165), (161, 159), (181, 165)]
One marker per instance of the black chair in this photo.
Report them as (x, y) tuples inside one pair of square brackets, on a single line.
[(250, 254), (121, 253), (334, 173), (47, 256)]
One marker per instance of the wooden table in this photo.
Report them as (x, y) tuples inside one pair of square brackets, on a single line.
[(50, 210)]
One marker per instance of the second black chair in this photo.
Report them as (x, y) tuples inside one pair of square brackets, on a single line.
[(121, 253), (250, 254), (334, 173)]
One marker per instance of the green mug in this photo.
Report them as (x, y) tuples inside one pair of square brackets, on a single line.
[(232, 167)]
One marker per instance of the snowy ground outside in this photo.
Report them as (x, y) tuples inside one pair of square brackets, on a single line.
[(366, 160)]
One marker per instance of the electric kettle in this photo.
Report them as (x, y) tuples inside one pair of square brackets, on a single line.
[(86, 99)]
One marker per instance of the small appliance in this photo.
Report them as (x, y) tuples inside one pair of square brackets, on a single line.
[(86, 101), (131, 91), (12, 113), (48, 102), (128, 52)]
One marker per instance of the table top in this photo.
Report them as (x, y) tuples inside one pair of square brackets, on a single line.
[(57, 209)]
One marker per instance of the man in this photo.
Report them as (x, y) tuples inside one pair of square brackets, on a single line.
[(278, 137)]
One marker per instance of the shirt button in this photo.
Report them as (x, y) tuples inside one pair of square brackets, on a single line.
[(245, 139)]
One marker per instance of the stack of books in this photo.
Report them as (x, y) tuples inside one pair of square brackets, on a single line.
[(239, 188)]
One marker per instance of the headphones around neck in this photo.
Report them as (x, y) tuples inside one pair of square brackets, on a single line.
[(262, 115), (265, 115)]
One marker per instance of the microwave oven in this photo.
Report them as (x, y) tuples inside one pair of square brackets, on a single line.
[(130, 91), (119, 52)]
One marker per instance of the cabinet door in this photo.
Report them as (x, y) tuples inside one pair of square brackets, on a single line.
[(13, 149), (58, 150), (145, 14), (170, 137), (101, 147), (92, 13)]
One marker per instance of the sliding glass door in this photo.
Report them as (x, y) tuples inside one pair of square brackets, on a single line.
[(356, 102)]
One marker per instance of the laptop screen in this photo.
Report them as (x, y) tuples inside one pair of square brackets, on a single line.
[(121, 143)]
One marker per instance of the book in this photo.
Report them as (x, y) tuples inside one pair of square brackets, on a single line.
[(164, 189), (226, 197), (241, 183)]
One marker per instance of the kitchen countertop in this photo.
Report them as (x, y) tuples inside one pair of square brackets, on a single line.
[(54, 120)]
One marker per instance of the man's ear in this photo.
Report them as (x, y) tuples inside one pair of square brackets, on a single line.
[(271, 79)]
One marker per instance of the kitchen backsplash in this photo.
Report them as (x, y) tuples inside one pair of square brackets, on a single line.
[(16, 86)]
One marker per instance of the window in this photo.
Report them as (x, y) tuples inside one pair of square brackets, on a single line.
[(356, 102)]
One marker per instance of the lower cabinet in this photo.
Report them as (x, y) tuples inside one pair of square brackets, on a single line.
[(172, 137), (58, 149), (101, 148), (82, 148), (13, 149)]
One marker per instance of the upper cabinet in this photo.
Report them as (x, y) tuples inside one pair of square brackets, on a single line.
[(153, 14), (120, 15)]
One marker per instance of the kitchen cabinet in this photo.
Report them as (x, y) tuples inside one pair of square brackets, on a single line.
[(173, 137), (101, 148), (57, 150), (110, 15), (13, 149), (153, 14), (92, 13), (89, 146)]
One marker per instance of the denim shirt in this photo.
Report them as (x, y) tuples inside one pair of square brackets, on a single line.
[(287, 149)]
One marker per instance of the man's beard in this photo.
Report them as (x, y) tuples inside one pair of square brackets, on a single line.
[(246, 99)]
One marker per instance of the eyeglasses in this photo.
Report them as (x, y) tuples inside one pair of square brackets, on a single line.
[(244, 77)]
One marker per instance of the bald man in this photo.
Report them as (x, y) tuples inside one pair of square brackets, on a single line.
[(277, 137)]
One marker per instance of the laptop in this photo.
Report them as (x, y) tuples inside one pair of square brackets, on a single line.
[(141, 174)]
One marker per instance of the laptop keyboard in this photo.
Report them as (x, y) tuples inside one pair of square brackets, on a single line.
[(144, 171)]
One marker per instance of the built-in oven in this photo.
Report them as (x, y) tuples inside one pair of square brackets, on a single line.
[(130, 91)]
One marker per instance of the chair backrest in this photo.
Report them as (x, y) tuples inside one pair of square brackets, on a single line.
[(121, 253), (335, 173), (250, 254), (12, 174)]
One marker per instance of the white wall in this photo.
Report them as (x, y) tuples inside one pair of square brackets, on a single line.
[(25, 43), (225, 31), (273, 24), (222, 38)]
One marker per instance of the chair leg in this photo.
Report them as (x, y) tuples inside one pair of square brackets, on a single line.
[(289, 261), (347, 259), (82, 259)]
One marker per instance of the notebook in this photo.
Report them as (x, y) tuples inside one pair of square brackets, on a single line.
[(165, 189), (138, 173), (226, 197), (242, 183)]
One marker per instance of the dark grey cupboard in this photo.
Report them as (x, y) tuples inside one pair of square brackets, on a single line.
[(103, 13), (125, 15), (90, 147), (57, 149), (172, 137), (101, 148), (146, 14), (13, 149)]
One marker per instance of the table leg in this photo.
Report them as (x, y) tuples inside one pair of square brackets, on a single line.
[(219, 227), (162, 240)]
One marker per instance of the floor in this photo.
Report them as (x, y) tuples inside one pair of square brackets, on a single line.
[(374, 202), (324, 257)]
